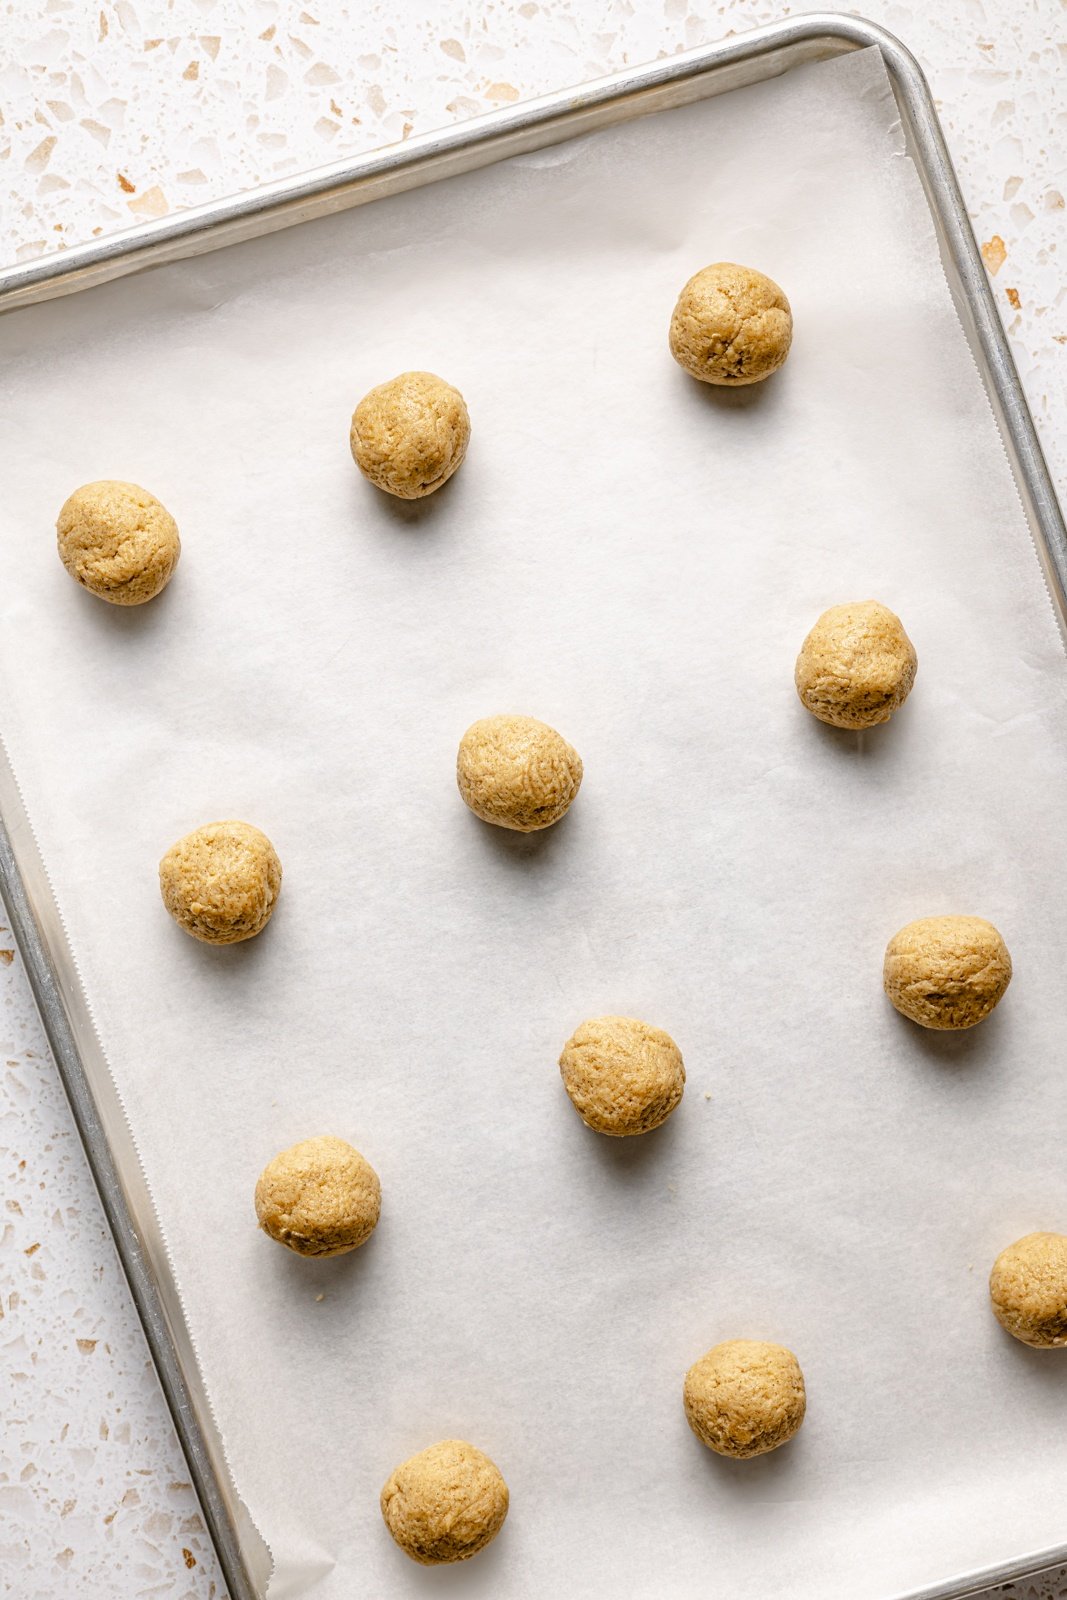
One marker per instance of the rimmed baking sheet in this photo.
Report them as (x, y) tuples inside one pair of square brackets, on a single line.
[(634, 559)]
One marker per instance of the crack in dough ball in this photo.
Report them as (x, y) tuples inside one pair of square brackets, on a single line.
[(744, 1397), (731, 325), (517, 772), (1028, 1288), (117, 541), (857, 665), (409, 435), (445, 1504), (623, 1076), (946, 972), (319, 1198), (221, 882)]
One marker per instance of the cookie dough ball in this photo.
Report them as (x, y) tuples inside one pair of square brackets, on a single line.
[(857, 665), (319, 1198), (118, 541), (517, 772), (221, 882), (445, 1504), (946, 972), (622, 1075), (731, 325), (744, 1398), (1028, 1288), (409, 435)]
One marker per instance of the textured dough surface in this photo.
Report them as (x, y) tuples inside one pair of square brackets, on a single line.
[(221, 882), (1028, 1288), (409, 435), (744, 1397), (731, 325), (946, 972), (319, 1198), (445, 1504), (857, 665), (623, 1076), (118, 541), (517, 772)]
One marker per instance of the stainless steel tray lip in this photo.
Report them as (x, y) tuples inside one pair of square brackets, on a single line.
[(48, 995), (334, 185), (991, 1577), (707, 70)]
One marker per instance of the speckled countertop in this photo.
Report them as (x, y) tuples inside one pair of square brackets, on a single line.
[(118, 110)]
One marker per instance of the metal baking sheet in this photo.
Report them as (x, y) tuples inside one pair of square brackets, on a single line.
[(34, 918)]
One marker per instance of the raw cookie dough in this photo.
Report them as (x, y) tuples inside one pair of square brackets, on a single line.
[(946, 972), (118, 541), (623, 1077), (409, 435), (445, 1504), (221, 882), (744, 1398), (319, 1198), (731, 325), (1028, 1288), (857, 665), (517, 772)]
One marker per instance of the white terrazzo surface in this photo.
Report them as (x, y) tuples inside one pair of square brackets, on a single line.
[(124, 109)]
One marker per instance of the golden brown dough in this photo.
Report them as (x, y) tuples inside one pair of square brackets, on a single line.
[(744, 1397), (409, 435), (946, 972), (623, 1076), (445, 1504), (221, 882), (517, 772), (117, 541), (319, 1198), (1028, 1288), (731, 325), (857, 665)]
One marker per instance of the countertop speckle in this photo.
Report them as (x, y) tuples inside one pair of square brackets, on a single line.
[(127, 109)]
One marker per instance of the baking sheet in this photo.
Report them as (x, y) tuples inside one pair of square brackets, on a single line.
[(634, 559)]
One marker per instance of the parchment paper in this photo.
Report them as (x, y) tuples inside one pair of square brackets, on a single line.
[(635, 559)]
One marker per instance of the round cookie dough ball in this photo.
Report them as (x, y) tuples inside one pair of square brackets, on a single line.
[(744, 1397), (1028, 1288), (118, 541), (409, 435), (445, 1504), (517, 772), (857, 665), (946, 972), (731, 325), (319, 1198), (221, 882), (622, 1076)]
